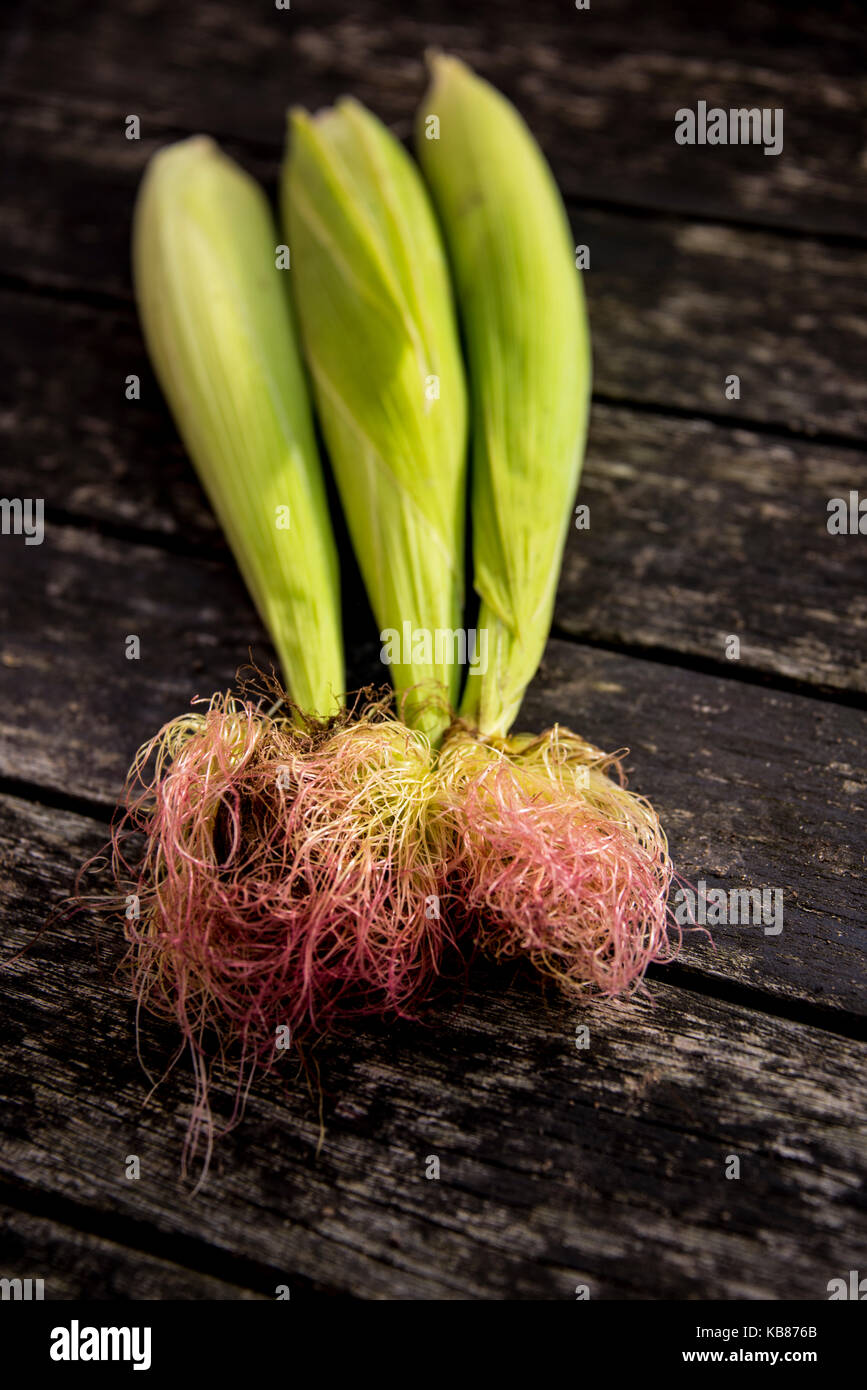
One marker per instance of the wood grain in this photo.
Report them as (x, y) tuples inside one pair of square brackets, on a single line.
[(758, 788), (75, 1264), (600, 89), (697, 531), (675, 308), (559, 1166)]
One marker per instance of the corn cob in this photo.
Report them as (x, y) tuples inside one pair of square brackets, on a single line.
[(216, 318), (556, 861), (374, 302), (529, 366)]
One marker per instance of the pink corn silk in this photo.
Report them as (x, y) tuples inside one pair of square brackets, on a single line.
[(302, 873), (555, 861), (289, 876)]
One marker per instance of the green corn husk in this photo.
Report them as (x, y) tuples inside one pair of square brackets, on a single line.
[(371, 286), (529, 364), (217, 321)]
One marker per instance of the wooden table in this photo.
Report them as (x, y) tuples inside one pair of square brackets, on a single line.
[(559, 1166)]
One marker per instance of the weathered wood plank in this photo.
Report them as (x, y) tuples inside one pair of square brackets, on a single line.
[(194, 622), (813, 36), (759, 789), (551, 1157), (550, 1172), (70, 435), (676, 308), (697, 532), (76, 1265), (600, 89)]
